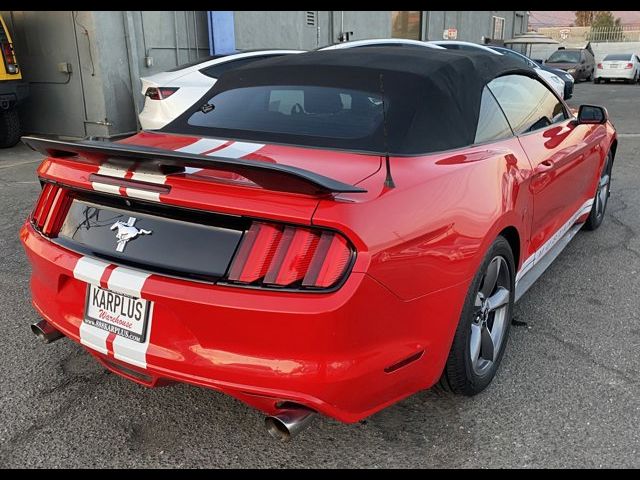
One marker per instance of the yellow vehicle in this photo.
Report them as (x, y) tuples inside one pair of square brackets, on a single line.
[(12, 90)]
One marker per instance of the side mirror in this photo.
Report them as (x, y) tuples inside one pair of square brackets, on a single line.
[(592, 115)]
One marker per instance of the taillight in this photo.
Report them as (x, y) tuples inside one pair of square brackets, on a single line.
[(160, 93), (629, 65), (11, 66), (51, 208), (273, 255), (599, 66)]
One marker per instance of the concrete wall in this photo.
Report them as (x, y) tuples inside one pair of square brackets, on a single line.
[(289, 29), (472, 26)]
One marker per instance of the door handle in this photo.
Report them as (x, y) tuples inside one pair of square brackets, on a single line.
[(545, 166)]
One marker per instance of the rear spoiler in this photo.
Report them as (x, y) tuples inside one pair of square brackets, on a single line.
[(270, 176)]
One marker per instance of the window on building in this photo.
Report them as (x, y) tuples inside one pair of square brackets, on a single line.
[(498, 28), (528, 104), (406, 25), (492, 124)]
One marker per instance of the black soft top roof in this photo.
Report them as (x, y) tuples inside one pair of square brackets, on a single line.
[(432, 96)]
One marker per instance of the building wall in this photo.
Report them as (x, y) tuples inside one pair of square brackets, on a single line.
[(472, 26), (290, 29)]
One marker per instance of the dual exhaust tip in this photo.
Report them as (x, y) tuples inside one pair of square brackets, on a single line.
[(283, 426), (288, 422), (46, 332)]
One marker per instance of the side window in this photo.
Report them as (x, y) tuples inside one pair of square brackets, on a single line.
[(215, 71), (528, 104), (492, 125)]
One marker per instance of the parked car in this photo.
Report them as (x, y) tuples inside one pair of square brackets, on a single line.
[(579, 62), (618, 66), (381, 42), (328, 232), (168, 94), (564, 76), (555, 81), (13, 90)]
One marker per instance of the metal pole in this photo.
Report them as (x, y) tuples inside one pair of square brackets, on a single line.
[(186, 29), (175, 30), (195, 33)]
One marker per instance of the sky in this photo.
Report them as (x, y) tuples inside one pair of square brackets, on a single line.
[(545, 18)]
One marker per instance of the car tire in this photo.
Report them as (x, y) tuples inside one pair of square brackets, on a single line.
[(464, 374), (590, 79), (596, 81), (9, 127), (601, 198)]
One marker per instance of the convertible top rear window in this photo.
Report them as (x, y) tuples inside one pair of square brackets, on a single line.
[(401, 101), (304, 110)]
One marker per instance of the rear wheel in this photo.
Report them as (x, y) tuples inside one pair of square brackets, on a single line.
[(602, 196), (481, 336), (9, 127)]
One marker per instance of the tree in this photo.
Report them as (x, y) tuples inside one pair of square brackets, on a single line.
[(584, 18), (605, 28)]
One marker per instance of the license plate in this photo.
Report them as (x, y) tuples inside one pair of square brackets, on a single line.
[(117, 313), (614, 65)]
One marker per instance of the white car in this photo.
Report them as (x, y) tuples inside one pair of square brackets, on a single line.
[(552, 79), (168, 94), (381, 42), (618, 66)]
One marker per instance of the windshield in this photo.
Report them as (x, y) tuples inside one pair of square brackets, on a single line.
[(296, 113), (564, 56), (625, 57)]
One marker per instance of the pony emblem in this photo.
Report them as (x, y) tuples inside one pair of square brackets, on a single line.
[(126, 232)]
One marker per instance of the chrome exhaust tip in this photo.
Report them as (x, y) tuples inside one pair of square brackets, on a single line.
[(289, 422), (46, 332)]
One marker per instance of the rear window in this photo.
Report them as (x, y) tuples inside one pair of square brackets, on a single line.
[(564, 56), (291, 113), (618, 56)]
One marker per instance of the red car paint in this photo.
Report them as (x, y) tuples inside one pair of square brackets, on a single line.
[(386, 331)]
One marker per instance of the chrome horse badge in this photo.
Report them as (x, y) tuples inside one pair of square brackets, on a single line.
[(126, 232)]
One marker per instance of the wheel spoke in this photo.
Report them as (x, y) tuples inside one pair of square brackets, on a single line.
[(498, 299), (498, 327), (490, 279), (475, 344), (486, 349)]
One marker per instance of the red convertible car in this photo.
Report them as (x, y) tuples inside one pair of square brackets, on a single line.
[(327, 232)]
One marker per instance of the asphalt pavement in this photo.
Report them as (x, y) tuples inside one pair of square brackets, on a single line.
[(567, 393)]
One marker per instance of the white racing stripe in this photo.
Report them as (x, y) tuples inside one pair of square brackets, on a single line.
[(549, 244), (109, 170), (202, 145), (90, 270), (130, 282), (148, 177), (237, 150)]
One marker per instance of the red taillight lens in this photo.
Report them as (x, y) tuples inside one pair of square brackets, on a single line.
[(629, 65), (160, 93), (51, 209), (599, 66), (11, 66), (287, 256)]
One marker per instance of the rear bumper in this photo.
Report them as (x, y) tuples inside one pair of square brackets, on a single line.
[(627, 74), (326, 351), (13, 92)]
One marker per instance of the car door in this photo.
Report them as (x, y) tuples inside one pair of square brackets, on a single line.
[(563, 154)]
